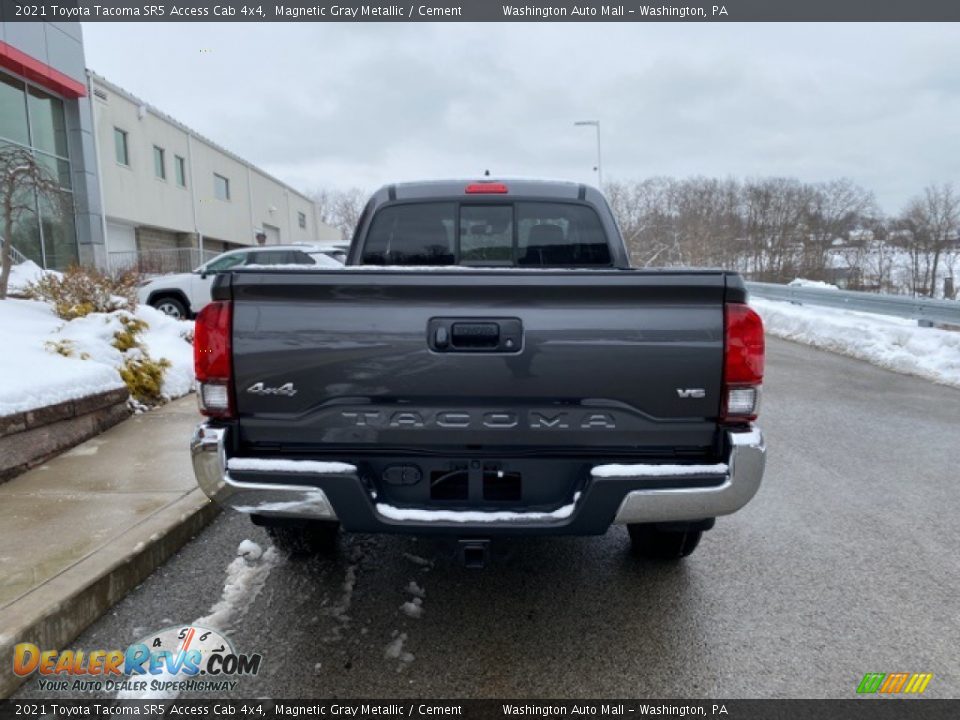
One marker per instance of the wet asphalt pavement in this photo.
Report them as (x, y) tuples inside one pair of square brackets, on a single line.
[(846, 562)]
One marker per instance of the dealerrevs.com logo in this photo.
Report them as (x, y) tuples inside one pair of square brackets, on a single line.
[(175, 659), (894, 683)]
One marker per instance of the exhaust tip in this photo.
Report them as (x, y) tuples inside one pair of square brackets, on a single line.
[(474, 553)]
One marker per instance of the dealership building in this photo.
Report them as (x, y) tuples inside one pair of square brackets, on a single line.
[(146, 190)]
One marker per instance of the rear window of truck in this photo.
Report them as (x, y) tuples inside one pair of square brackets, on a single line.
[(521, 234)]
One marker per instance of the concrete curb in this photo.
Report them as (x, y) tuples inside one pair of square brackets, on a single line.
[(56, 612)]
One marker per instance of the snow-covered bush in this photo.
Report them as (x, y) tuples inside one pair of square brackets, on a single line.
[(142, 375), (81, 290)]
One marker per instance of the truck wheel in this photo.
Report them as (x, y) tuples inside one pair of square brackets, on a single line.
[(314, 538), (653, 543), (171, 306)]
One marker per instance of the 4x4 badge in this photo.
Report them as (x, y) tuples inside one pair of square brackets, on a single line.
[(260, 389)]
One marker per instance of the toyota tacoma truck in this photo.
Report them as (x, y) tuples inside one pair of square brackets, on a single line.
[(487, 363)]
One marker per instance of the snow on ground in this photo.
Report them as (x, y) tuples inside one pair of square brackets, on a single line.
[(250, 550), (165, 338), (893, 343), (30, 375), (340, 610), (33, 375), (395, 651), (413, 608), (246, 575), (24, 274), (803, 282)]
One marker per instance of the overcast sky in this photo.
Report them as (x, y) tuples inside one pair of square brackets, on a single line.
[(342, 105)]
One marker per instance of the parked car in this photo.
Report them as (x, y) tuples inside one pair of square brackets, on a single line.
[(182, 295), (487, 364)]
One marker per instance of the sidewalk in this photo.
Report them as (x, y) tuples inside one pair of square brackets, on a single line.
[(79, 532)]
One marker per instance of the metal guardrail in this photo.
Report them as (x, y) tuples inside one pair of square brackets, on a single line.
[(924, 310)]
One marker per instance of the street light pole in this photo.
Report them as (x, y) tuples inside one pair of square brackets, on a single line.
[(595, 124)]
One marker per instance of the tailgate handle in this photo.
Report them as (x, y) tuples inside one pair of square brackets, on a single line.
[(503, 335), (475, 335)]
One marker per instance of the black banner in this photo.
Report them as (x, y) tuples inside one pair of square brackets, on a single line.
[(481, 11), (857, 709)]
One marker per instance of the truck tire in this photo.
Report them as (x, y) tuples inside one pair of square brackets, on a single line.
[(170, 305), (653, 543), (313, 538)]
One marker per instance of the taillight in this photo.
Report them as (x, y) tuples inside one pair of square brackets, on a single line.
[(743, 351), (486, 188), (212, 362)]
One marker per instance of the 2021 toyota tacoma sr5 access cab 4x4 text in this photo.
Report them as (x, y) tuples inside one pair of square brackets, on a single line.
[(487, 363)]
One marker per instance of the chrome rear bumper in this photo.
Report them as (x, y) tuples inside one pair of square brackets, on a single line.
[(745, 465), (207, 449), (714, 490)]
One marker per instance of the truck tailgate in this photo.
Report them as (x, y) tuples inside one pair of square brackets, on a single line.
[(373, 360)]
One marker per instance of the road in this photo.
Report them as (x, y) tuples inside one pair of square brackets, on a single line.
[(846, 562)]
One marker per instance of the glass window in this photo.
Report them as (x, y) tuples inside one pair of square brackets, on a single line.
[(120, 146), (58, 168), (547, 234), (45, 231), (225, 263), (560, 235), (326, 260), (59, 231), (13, 111), (302, 220), (47, 123), (486, 234), (414, 234), (26, 228), (180, 168), (159, 163), (221, 187), (279, 257)]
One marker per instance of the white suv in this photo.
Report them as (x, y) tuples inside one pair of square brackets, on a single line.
[(183, 295)]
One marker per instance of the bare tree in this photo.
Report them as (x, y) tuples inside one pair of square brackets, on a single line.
[(23, 180), (778, 229), (926, 231), (941, 215), (642, 212), (834, 211), (341, 208)]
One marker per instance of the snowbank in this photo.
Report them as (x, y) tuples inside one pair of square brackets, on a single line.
[(30, 375), (803, 282), (893, 343), (24, 274), (33, 374), (166, 338)]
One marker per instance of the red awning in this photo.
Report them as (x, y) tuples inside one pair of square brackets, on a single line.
[(42, 74)]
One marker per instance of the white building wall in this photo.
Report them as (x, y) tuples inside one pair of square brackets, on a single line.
[(134, 196)]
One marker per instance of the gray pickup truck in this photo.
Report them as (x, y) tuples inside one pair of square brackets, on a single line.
[(486, 364)]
